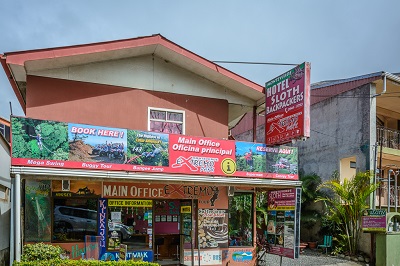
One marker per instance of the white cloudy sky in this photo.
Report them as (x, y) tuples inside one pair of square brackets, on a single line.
[(340, 38)]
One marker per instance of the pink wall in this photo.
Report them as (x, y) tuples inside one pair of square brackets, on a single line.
[(104, 105)]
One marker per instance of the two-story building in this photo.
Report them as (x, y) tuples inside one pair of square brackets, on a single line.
[(125, 152)]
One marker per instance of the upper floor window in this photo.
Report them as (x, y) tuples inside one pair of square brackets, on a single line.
[(166, 121), (5, 131)]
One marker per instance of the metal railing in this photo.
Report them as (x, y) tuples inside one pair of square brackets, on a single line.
[(384, 196), (388, 137)]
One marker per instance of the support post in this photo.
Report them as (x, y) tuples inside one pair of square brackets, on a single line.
[(12, 230), (388, 194), (17, 217)]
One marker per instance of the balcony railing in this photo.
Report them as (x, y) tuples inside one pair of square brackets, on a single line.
[(389, 138), (382, 196)]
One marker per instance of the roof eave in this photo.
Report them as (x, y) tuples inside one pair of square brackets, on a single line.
[(98, 51), (13, 83)]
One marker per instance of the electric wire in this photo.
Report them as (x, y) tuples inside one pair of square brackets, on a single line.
[(254, 63)]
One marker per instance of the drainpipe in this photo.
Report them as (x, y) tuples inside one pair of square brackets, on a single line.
[(254, 124), (17, 220), (384, 85), (373, 203), (384, 76)]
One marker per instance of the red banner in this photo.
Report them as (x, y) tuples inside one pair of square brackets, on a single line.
[(199, 155), (50, 144)]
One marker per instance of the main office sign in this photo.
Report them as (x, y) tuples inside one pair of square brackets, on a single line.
[(287, 106), (44, 143)]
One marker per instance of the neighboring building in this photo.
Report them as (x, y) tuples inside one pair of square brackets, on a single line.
[(5, 189), (5, 129), (355, 126), (128, 141)]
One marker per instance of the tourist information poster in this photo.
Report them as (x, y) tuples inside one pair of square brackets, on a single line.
[(283, 225)]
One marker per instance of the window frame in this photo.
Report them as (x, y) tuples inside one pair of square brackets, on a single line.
[(149, 119), (3, 129)]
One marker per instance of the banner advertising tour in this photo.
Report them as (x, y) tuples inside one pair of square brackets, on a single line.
[(44, 143)]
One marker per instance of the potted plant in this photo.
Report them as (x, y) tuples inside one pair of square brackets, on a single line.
[(311, 212), (312, 244)]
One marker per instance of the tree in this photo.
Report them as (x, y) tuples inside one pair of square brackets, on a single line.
[(346, 206)]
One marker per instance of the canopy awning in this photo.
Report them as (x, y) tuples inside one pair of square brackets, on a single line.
[(122, 176)]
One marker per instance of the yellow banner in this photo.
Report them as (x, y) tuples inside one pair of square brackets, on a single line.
[(373, 229), (282, 208), (186, 209), (130, 203)]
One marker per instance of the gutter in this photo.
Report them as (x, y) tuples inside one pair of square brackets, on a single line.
[(385, 76)]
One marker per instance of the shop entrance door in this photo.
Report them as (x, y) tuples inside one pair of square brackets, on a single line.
[(188, 232)]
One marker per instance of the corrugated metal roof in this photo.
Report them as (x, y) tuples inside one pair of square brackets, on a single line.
[(328, 83), (327, 89)]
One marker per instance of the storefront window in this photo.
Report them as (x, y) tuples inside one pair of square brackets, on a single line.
[(74, 218), (37, 211), (241, 219), (130, 225)]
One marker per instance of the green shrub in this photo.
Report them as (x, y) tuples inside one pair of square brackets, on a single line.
[(41, 254), (40, 251), (59, 262)]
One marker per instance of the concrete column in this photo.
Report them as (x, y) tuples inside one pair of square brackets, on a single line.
[(373, 142), (17, 218), (12, 222)]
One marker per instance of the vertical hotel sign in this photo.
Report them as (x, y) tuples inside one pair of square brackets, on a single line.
[(287, 104)]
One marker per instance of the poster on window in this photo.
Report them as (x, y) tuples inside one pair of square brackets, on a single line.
[(283, 230), (44, 143), (37, 210), (213, 228)]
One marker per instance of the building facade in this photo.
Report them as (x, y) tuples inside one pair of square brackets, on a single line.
[(5, 191), (354, 127), (125, 153)]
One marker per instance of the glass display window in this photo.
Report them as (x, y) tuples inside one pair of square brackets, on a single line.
[(129, 223), (73, 218)]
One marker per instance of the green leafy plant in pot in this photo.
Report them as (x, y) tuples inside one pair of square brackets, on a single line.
[(311, 212)]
